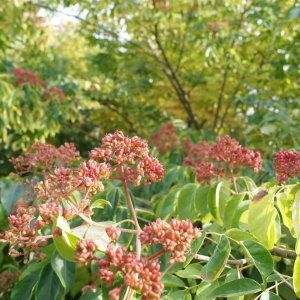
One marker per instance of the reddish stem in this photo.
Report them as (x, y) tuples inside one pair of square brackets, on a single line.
[(157, 254), (133, 213)]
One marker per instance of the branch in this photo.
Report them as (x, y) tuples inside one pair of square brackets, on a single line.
[(123, 116), (284, 253), (220, 99), (173, 78), (103, 28), (236, 262), (223, 85)]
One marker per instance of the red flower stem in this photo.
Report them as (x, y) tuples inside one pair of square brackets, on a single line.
[(233, 178), (133, 213), (157, 254)]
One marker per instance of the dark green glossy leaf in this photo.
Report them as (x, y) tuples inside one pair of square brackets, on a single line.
[(64, 269), (23, 290), (49, 286)]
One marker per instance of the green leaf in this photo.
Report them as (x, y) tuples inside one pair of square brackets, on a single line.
[(267, 295), (34, 266), (168, 204), (213, 269), (250, 184), (64, 269), (66, 243), (49, 286), (201, 205), (23, 289), (213, 200), (244, 205), (204, 289), (90, 295), (100, 203), (296, 276), (181, 295), (170, 178), (260, 257), (191, 271), (261, 220), (285, 205), (170, 280), (296, 214), (185, 208), (239, 235), (238, 287), (95, 233), (10, 193), (232, 205), (195, 247)]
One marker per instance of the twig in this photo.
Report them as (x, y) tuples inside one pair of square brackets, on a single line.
[(284, 253), (236, 262)]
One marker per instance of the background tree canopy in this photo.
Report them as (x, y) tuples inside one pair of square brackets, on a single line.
[(220, 66), (210, 210)]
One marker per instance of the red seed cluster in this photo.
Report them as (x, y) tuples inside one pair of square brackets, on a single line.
[(57, 185), (44, 157), (139, 274), (89, 175), (64, 181), (120, 149), (213, 161), (26, 77), (113, 233), (196, 153), (49, 210), (205, 171), (22, 232), (131, 154), (165, 139), (230, 152), (287, 164), (175, 237), (55, 93), (85, 251)]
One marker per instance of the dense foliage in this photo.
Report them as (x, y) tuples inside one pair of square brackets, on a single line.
[(210, 209), (72, 223)]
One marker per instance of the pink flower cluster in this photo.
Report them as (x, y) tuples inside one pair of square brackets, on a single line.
[(205, 171), (287, 164), (212, 161), (113, 233), (139, 274), (63, 181), (42, 157), (175, 237), (85, 251), (26, 77), (131, 154), (165, 139), (196, 153), (230, 152), (22, 233)]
